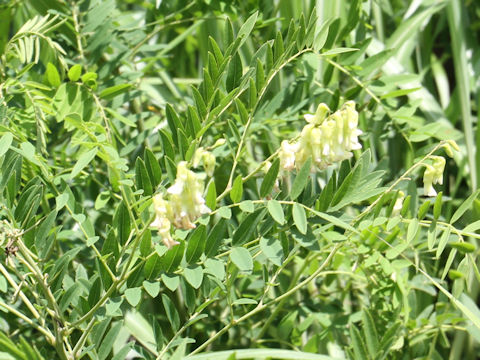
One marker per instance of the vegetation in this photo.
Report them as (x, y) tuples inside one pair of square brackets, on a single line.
[(239, 179)]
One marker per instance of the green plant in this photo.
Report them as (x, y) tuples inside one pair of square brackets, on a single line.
[(161, 192)]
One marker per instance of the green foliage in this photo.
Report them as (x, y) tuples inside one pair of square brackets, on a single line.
[(102, 101)]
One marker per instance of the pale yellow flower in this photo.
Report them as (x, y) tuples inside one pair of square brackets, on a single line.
[(184, 205), (287, 155), (433, 175)]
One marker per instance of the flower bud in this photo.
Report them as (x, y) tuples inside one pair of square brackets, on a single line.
[(448, 147), (207, 158)]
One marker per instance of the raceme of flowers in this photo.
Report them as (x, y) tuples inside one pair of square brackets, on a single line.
[(183, 205), (326, 138)]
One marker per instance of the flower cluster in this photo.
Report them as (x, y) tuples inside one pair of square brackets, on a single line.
[(326, 138), (184, 204)]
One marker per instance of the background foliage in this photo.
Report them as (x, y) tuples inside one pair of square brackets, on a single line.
[(99, 100)]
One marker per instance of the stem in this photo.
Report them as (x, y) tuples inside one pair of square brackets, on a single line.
[(279, 308), (95, 307), (396, 182), (77, 32), (261, 307), (45, 331), (177, 334), (18, 290), (250, 119), (58, 320), (78, 347)]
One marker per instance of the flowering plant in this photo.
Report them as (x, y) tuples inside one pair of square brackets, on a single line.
[(168, 192)]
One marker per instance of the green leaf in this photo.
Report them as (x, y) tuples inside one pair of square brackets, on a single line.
[(370, 333), (252, 91), (133, 295), (357, 343), (247, 227), (216, 50), (196, 244), (171, 311), (5, 143), (53, 77), (247, 206), (202, 108), (247, 28), (412, 230), (70, 295), (275, 209), (335, 221), (259, 75), (90, 79), (173, 123), (273, 250), (400, 92), (173, 257), (141, 177), (153, 167), (28, 203), (152, 288), (301, 180), (83, 161), (432, 235), (75, 72), (61, 200), (234, 73), (278, 47), (215, 237), (270, 178), (389, 338), (171, 281), (472, 227), (237, 189), (121, 221), (121, 118), (321, 36), (242, 258), (464, 207), (194, 275), (95, 292), (338, 50), (443, 242), (216, 268), (244, 301), (112, 91), (225, 212), (42, 233), (299, 218), (107, 343)]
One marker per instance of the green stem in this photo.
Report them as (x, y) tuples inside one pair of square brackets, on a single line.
[(45, 331), (261, 307), (250, 119)]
